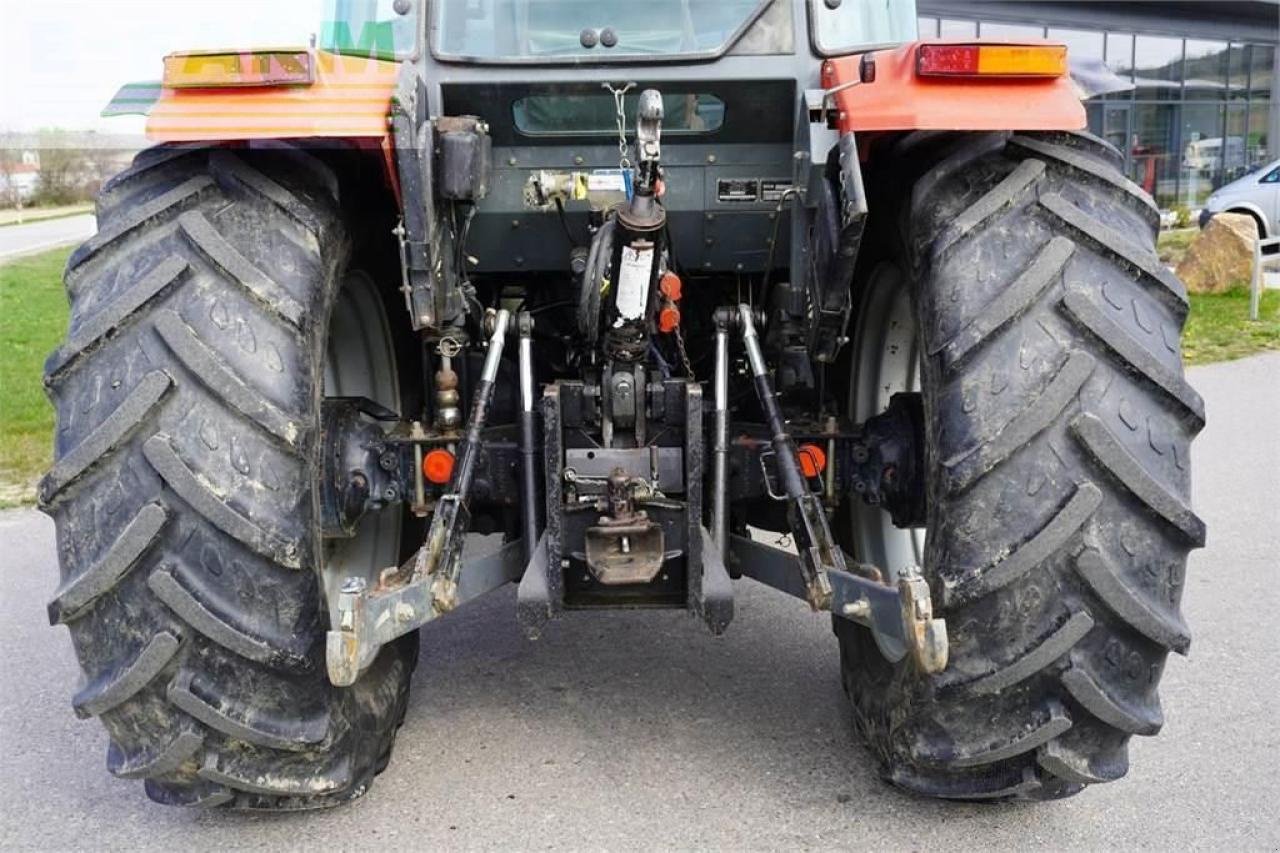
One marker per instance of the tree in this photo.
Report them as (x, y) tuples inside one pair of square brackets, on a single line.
[(10, 158), (101, 162), (61, 169)]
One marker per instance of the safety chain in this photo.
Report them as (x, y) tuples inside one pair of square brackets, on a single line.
[(684, 354), (620, 101)]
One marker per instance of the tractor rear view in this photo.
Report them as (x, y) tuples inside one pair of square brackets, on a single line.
[(638, 288)]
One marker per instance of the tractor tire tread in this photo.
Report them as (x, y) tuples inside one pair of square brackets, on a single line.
[(1059, 427), (184, 452)]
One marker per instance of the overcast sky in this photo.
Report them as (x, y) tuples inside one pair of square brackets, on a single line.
[(65, 59)]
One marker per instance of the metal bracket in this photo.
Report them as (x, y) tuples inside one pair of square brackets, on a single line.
[(712, 599), (432, 582), (368, 619), (900, 619)]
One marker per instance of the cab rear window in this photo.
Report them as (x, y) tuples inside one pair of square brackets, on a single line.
[(597, 30), (596, 115)]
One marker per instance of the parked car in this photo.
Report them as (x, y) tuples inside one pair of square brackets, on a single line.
[(1257, 194), (1206, 155)]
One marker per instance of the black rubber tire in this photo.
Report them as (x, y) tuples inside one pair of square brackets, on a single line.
[(188, 399), (1058, 430)]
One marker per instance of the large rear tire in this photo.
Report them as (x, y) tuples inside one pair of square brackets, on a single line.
[(184, 492), (1058, 433)]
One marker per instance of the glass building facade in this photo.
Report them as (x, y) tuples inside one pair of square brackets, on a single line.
[(1201, 113)]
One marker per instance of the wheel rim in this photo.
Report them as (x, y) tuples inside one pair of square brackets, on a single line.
[(360, 362), (886, 361)]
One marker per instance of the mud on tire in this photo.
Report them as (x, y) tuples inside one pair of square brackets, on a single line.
[(1059, 426), (188, 396)]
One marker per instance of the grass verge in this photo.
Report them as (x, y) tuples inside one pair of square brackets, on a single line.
[(33, 321), (1172, 245), (1219, 328)]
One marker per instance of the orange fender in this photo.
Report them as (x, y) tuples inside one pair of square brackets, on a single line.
[(350, 99), (900, 99)]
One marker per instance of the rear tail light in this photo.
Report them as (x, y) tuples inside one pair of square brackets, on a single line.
[(223, 69), (991, 60)]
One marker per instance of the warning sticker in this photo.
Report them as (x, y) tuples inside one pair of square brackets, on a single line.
[(735, 190), (607, 180), (633, 283)]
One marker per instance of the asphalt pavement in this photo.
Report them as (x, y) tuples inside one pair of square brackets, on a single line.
[(19, 240), (639, 730)]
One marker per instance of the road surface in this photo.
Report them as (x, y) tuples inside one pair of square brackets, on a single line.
[(19, 240), (635, 730)]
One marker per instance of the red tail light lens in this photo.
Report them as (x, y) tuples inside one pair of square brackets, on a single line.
[(947, 59)]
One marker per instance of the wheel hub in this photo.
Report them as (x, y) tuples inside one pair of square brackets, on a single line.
[(889, 463), (362, 473)]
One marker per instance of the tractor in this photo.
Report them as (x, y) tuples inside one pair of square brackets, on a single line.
[(625, 304)]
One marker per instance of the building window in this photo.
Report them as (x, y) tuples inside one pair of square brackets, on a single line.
[(1205, 74), (1157, 68), (1237, 128), (1238, 71), (1206, 152), (1262, 64), (1085, 44), (1119, 50), (1114, 126), (1258, 146), (1153, 161)]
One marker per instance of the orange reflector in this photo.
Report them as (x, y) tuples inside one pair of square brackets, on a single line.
[(813, 460), (668, 320), (672, 287), (991, 60), (437, 467), (231, 69)]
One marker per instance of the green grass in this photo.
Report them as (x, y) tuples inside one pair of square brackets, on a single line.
[(1172, 245), (33, 321), (1219, 328)]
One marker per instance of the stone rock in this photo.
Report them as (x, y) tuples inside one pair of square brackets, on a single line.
[(1221, 256)]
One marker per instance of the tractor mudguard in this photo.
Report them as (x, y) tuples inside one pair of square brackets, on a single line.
[(348, 98), (891, 95)]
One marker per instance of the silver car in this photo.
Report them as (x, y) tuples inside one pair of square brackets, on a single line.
[(1257, 194)]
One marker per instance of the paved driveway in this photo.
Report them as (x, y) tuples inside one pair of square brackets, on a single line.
[(18, 240), (640, 730)]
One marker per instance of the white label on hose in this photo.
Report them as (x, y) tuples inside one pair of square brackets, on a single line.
[(633, 283)]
